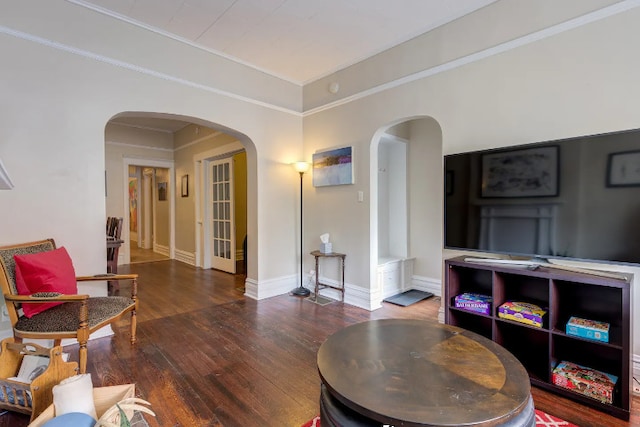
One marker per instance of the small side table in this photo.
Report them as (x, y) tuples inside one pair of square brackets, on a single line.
[(319, 285)]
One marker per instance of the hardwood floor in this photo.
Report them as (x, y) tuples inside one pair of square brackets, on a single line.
[(208, 356)]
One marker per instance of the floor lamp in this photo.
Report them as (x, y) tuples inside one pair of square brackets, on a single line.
[(301, 168)]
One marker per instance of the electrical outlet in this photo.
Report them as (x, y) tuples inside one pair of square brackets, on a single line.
[(4, 315), (636, 386)]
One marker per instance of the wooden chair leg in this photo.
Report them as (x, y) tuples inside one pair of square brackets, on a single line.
[(134, 324), (82, 353), (83, 336)]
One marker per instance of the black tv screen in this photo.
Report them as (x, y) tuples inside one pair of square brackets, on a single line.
[(574, 198)]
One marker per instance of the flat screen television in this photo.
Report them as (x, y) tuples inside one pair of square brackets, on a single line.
[(575, 198)]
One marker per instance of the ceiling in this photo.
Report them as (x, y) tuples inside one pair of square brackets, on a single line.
[(297, 40)]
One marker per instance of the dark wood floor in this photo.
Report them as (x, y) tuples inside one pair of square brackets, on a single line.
[(207, 356)]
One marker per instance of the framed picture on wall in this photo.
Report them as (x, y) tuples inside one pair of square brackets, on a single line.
[(184, 186), (623, 169), (162, 191), (333, 167), (528, 172)]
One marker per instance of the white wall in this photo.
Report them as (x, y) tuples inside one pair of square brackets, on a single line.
[(56, 103), (578, 82), (57, 97)]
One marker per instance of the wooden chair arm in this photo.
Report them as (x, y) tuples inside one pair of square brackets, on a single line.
[(107, 276), (59, 298)]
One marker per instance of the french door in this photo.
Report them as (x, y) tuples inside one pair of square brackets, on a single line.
[(223, 243)]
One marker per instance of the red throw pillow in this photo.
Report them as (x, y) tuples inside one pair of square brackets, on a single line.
[(50, 271)]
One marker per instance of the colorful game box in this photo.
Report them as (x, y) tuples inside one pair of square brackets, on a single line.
[(477, 303), (522, 312), (585, 328), (587, 381)]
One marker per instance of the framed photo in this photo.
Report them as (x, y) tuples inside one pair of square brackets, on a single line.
[(162, 191), (528, 172), (623, 169), (184, 187), (333, 167)]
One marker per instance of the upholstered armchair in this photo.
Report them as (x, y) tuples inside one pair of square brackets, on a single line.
[(47, 309)]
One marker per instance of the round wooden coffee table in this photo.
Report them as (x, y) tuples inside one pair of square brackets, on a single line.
[(407, 372)]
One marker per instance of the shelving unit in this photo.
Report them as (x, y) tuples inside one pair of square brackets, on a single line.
[(563, 294)]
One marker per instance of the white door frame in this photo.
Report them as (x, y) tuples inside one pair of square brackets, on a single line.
[(152, 163), (203, 214)]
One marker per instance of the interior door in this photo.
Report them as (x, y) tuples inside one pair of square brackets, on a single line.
[(223, 244)]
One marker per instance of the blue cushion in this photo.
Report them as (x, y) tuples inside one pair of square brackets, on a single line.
[(75, 419)]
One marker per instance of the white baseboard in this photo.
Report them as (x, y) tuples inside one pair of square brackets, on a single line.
[(427, 284), (635, 369), (269, 288), (186, 257), (161, 249)]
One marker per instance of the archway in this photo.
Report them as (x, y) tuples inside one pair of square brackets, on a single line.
[(405, 230), (179, 159)]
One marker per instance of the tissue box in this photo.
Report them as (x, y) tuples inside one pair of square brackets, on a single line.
[(477, 303), (522, 312), (587, 381), (325, 248), (585, 328)]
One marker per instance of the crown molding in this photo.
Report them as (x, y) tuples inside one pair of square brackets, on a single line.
[(571, 24)]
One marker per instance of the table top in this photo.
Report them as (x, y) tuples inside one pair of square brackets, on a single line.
[(330, 254), (422, 373)]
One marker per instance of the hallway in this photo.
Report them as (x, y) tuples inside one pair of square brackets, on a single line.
[(139, 255)]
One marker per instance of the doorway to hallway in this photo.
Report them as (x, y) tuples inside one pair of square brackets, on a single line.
[(139, 254)]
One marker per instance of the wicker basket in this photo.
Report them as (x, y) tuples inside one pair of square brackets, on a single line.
[(103, 397)]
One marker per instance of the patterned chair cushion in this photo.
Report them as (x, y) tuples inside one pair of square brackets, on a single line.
[(6, 256), (64, 318)]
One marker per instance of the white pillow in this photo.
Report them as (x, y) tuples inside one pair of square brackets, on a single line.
[(74, 394)]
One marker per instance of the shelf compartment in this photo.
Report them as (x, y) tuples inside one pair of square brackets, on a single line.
[(474, 322), (473, 280), (534, 356), (590, 302), (605, 359), (522, 288)]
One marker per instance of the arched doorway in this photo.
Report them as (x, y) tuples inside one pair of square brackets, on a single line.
[(176, 143), (405, 229)]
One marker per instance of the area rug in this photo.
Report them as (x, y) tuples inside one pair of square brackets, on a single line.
[(409, 297), (542, 420)]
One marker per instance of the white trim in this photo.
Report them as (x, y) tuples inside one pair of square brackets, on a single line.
[(199, 140), (486, 53), (161, 249), (153, 163), (178, 38), (427, 284), (139, 69), (201, 198), (636, 372), (270, 288), (571, 24), (124, 144), (186, 257)]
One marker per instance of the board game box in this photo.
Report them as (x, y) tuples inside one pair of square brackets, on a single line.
[(477, 303), (584, 380), (586, 328), (522, 312)]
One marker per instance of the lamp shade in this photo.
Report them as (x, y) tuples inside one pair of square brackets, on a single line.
[(301, 167)]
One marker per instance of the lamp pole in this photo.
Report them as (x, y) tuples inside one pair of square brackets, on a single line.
[(301, 167)]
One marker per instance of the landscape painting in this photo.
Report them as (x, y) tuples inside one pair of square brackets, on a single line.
[(333, 167)]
